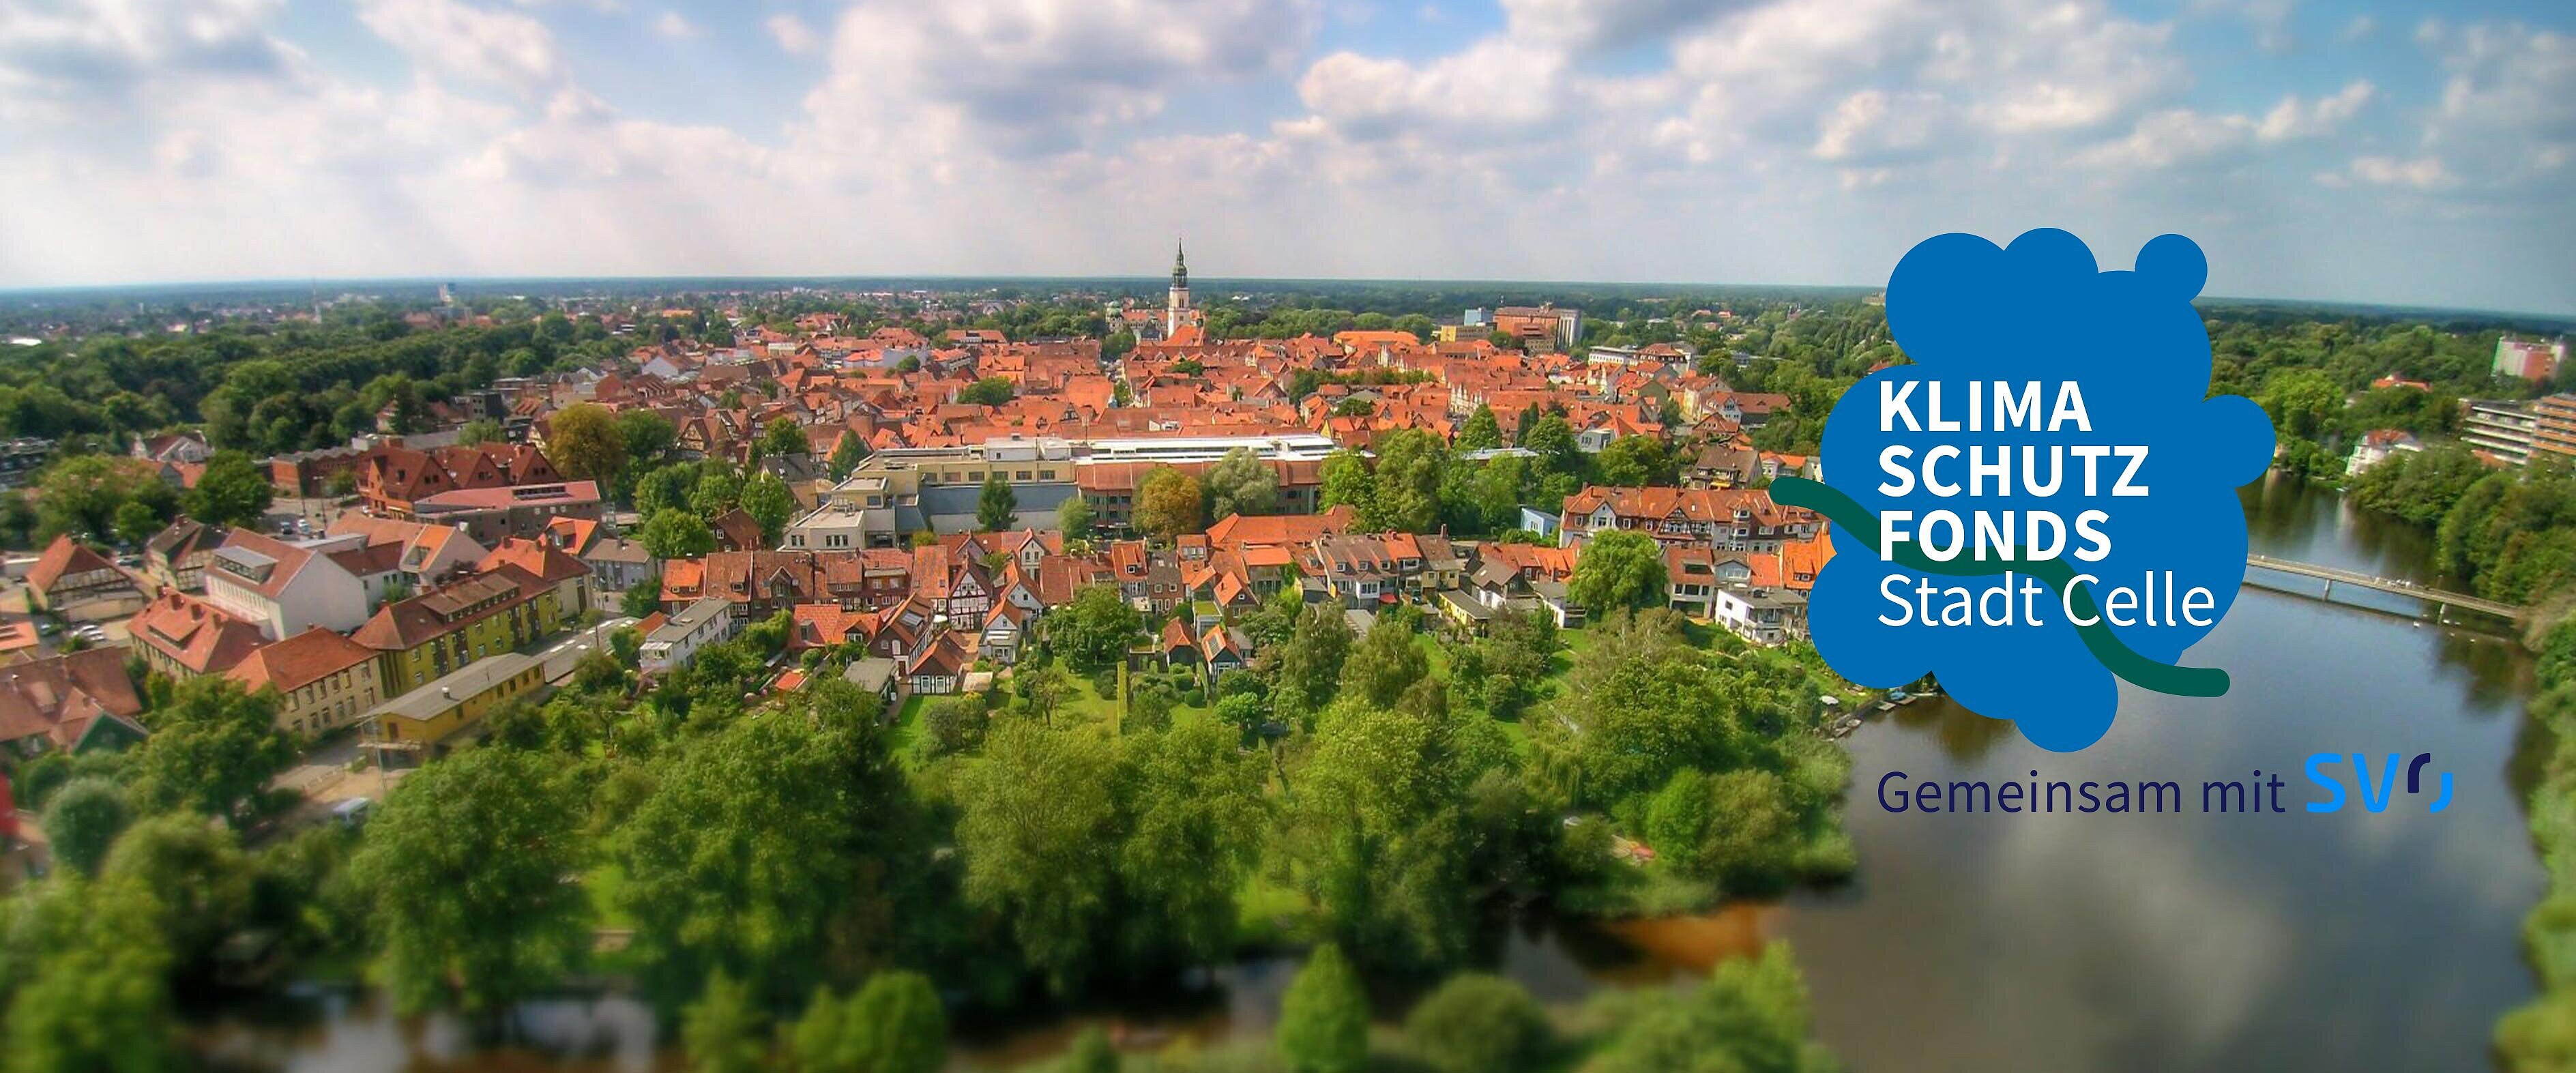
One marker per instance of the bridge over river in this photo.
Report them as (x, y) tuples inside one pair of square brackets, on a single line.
[(2277, 575)]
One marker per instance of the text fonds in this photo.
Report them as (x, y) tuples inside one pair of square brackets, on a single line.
[(2022, 472)]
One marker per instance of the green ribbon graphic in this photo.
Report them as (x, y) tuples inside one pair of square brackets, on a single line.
[(1861, 525)]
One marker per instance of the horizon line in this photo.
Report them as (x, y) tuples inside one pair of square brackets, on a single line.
[(7, 292)]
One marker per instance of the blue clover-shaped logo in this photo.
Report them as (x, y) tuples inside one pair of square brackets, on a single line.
[(2088, 395)]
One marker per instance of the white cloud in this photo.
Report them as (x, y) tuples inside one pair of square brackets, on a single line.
[(58, 63), (456, 40), (2418, 173), (2294, 118), (2161, 140), (1045, 76), (794, 37), (1496, 88), (1806, 141), (1591, 24), (2508, 108), (674, 26)]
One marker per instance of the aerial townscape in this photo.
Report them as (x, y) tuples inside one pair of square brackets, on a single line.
[(905, 675)]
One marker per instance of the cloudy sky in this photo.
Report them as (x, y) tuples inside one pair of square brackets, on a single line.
[(2390, 150)]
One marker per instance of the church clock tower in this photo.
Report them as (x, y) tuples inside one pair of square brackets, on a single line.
[(1176, 311)]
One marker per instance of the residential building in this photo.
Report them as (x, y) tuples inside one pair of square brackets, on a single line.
[(323, 681), (393, 479), (615, 562), (1543, 327), (2376, 446), (1762, 616), (284, 587), (476, 617), (430, 555), (2502, 428), (2529, 359), (427, 723), (187, 448), (70, 579), (68, 703), (182, 636), (491, 515), (2553, 429), (552, 565), (176, 557), (702, 623), (1727, 519)]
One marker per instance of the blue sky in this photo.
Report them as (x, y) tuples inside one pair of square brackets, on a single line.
[(2400, 152)]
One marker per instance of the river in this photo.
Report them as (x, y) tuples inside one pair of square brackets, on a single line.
[(2061, 942)]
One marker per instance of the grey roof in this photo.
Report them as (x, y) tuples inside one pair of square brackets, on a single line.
[(468, 681), (872, 673)]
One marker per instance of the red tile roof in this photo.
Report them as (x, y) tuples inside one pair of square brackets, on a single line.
[(300, 660)]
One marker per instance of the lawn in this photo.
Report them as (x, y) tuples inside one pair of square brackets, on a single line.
[(907, 729)]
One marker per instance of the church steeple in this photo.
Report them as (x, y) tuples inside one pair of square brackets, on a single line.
[(1176, 309), (1180, 268)]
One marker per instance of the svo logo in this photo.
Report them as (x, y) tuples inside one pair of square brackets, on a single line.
[(2374, 796)]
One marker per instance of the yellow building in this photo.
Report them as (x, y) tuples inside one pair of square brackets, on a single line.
[(429, 722), (442, 631)]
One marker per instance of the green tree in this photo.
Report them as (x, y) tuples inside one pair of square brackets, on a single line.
[(1091, 1053), (83, 819), (1636, 461), (1194, 832), (1323, 1020), (1476, 1023), (1311, 663), (1384, 664), (1619, 570), (641, 599), (997, 507), (677, 534), (1553, 440), (2302, 402), (1037, 826), (200, 882), (847, 454), (1375, 835), (647, 436), (464, 869), (96, 997), (1481, 431), (1094, 630), (584, 442), (81, 494), (1073, 517), (136, 522), (666, 488), (1405, 492), (1167, 503), (725, 1030), (782, 437), (989, 391), (1241, 483), (894, 1024), (768, 501), (773, 848), (717, 490), (213, 749), (481, 430), (1345, 480), (1750, 1015)]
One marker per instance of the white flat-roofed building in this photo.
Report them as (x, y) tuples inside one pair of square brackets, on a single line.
[(702, 623)]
